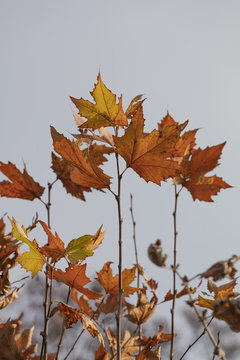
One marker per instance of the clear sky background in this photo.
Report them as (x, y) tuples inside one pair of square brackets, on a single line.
[(183, 55)]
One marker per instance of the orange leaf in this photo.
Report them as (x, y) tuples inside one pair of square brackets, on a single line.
[(206, 303), (85, 173), (149, 154), (105, 112), (75, 277), (82, 303), (55, 247), (110, 282), (201, 162), (184, 291), (21, 186)]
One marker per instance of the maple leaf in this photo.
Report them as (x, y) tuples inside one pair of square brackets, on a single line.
[(33, 260), (200, 186), (97, 153), (63, 169), (8, 346), (21, 186), (85, 173), (105, 112), (110, 282), (129, 344), (133, 106), (55, 247), (149, 154), (75, 277)]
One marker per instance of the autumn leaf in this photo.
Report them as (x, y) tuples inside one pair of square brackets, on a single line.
[(8, 299), (134, 104), (201, 162), (21, 185), (143, 311), (63, 169), (33, 260), (77, 249), (129, 344), (110, 282), (184, 291), (221, 269), (105, 112), (75, 277), (85, 172), (149, 154), (229, 311), (91, 328), (206, 303), (82, 303), (8, 346), (69, 313), (55, 247)]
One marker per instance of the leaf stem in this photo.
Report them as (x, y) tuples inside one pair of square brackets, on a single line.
[(174, 268)]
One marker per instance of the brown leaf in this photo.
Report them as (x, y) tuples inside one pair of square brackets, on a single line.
[(184, 291), (200, 186), (55, 247), (85, 173), (221, 269), (9, 299), (149, 154), (82, 303), (63, 169), (144, 309), (229, 311), (21, 186), (69, 314)]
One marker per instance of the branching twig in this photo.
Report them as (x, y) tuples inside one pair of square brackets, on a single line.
[(217, 349), (195, 341)]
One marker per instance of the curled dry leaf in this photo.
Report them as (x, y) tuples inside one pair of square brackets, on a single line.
[(228, 310), (143, 311), (7, 300), (69, 313), (129, 344), (156, 255), (222, 269)]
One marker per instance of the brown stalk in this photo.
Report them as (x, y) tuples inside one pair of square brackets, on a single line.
[(48, 286), (136, 255), (120, 221), (174, 269)]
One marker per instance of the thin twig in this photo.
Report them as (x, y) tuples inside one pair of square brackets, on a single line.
[(195, 341), (48, 285), (136, 255), (174, 268), (120, 221), (218, 342), (219, 352)]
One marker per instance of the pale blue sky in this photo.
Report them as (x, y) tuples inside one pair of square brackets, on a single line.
[(183, 55)]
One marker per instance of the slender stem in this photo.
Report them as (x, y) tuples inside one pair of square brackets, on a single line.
[(120, 221), (195, 341), (48, 285), (174, 268), (63, 327), (136, 255)]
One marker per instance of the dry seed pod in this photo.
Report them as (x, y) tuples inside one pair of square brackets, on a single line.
[(156, 255)]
